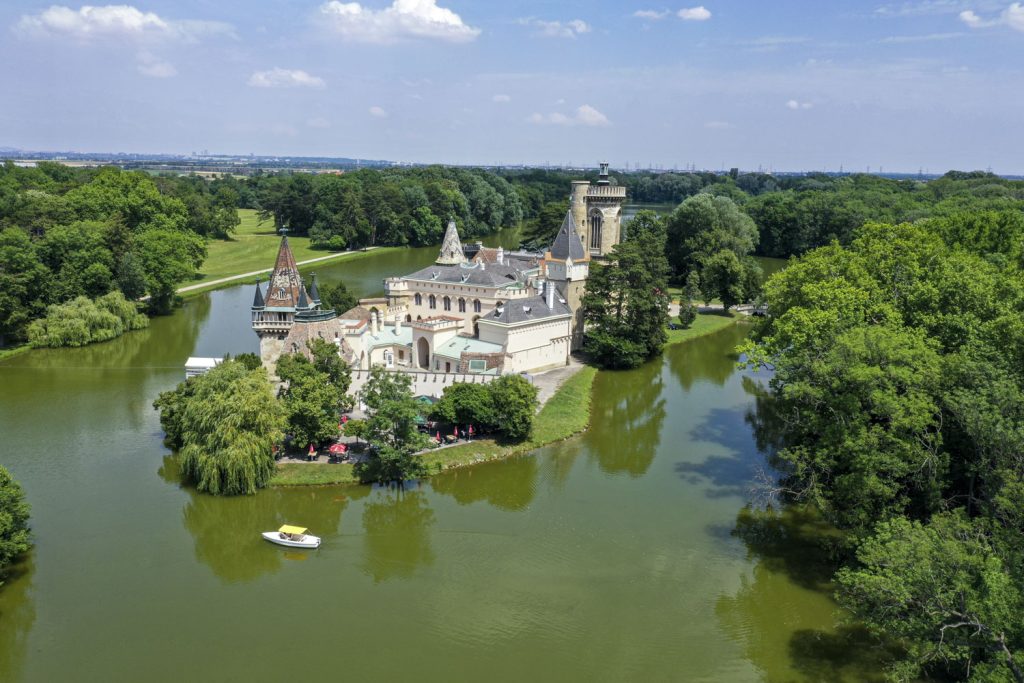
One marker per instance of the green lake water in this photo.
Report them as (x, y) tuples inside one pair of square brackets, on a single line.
[(608, 557)]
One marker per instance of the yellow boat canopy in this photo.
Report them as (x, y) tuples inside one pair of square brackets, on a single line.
[(288, 529)]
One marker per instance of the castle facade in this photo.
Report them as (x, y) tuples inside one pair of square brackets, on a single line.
[(473, 311)]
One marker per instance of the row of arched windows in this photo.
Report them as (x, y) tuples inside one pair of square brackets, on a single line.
[(446, 303)]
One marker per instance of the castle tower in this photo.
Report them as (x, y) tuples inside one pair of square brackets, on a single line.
[(597, 212), (285, 305), (451, 248), (566, 266)]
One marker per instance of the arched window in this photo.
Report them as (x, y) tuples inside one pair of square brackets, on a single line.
[(408, 317), (476, 306), (595, 230), (462, 305), (432, 301), (418, 299), (447, 303)]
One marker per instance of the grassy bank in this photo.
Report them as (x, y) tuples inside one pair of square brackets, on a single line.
[(10, 351), (703, 324), (565, 414)]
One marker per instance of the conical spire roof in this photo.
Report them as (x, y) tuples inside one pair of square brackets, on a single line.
[(567, 244), (257, 300), (451, 248), (285, 284), (314, 292)]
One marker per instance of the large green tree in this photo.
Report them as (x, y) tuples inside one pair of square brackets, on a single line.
[(14, 531), (391, 427), (626, 301), (226, 423)]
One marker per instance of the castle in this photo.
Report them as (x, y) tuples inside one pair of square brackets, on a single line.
[(475, 310)]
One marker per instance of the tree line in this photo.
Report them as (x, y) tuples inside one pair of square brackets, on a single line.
[(387, 207)]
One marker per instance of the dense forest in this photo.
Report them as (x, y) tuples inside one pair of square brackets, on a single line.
[(896, 417)]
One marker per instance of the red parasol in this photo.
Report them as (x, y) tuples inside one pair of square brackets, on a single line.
[(311, 449), (338, 448)]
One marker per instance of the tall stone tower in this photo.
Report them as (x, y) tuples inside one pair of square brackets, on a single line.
[(566, 266), (597, 212)]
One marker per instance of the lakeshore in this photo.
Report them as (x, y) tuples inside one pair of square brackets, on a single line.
[(635, 509)]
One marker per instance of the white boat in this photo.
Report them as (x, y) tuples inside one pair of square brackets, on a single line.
[(293, 537)]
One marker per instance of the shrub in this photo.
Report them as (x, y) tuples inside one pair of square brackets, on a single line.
[(83, 321)]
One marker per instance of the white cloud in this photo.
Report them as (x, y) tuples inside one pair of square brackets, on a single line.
[(557, 29), (718, 125), (378, 112), (154, 67), (796, 104), (650, 14), (113, 21), (501, 98), (699, 13), (400, 20), (1012, 16), (585, 115), (285, 78)]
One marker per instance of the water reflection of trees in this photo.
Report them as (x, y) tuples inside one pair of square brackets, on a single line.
[(628, 411), (508, 485), (711, 358), (226, 529), (397, 534), (17, 615), (784, 615)]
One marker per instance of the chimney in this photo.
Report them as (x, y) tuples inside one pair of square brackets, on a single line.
[(549, 293), (483, 265), (374, 323), (501, 256), (398, 323)]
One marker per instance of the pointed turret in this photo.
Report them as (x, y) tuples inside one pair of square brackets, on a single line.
[(257, 300), (303, 302), (314, 293), (285, 284), (567, 244), (451, 248)]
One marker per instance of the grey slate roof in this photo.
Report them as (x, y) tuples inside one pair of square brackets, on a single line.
[(491, 275), (314, 292), (526, 310), (567, 242), (257, 300)]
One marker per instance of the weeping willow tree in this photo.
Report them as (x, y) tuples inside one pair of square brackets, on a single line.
[(225, 424)]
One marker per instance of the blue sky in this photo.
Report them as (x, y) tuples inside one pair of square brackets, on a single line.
[(932, 84)]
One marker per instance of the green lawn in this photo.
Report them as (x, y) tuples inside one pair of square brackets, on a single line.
[(253, 247), (704, 323)]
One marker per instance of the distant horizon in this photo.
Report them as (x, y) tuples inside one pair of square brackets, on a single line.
[(896, 84), (10, 152)]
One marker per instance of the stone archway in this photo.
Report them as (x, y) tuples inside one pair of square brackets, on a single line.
[(423, 352)]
